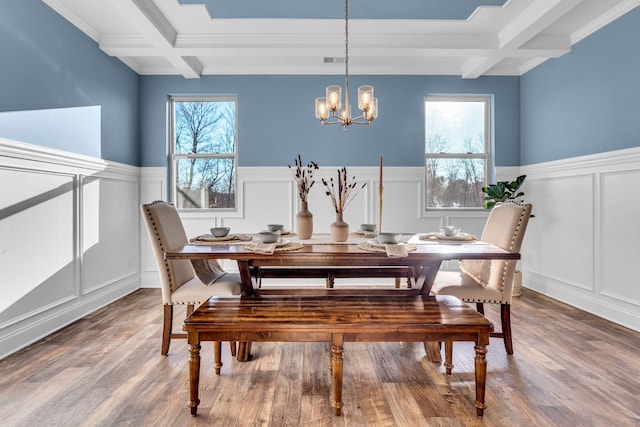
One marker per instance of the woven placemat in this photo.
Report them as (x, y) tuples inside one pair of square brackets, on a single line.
[(460, 237), (361, 233), (289, 246), (377, 247), (208, 239)]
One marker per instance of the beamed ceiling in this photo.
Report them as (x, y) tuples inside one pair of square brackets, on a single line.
[(414, 37)]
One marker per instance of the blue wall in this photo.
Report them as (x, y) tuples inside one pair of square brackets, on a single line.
[(276, 117), (48, 63), (51, 64), (582, 103), (587, 101)]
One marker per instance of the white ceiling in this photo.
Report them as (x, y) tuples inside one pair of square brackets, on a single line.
[(165, 37)]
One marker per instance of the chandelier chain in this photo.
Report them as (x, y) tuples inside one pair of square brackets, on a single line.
[(346, 38), (346, 54)]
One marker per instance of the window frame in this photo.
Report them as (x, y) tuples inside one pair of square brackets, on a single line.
[(487, 156), (175, 157)]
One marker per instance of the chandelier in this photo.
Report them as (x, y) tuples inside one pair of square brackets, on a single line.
[(330, 109)]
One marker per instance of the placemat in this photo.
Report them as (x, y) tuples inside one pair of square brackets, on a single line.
[(379, 247), (460, 237), (284, 247), (208, 239), (360, 233)]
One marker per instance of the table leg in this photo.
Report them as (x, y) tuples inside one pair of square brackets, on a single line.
[(481, 377), (194, 371), (245, 276), (432, 349), (330, 280), (336, 371), (427, 273), (244, 351), (424, 281)]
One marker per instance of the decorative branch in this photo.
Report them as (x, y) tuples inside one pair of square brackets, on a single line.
[(345, 192), (304, 177)]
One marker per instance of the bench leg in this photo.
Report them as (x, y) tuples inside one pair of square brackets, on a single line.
[(481, 376), (217, 356), (194, 371), (336, 371)]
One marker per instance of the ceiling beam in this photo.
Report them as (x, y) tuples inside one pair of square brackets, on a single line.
[(155, 28), (527, 25)]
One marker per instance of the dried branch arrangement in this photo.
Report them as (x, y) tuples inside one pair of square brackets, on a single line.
[(342, 192), (304, 177)]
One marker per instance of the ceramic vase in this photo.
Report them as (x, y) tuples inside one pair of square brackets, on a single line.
[(339, 230), (304, 222)]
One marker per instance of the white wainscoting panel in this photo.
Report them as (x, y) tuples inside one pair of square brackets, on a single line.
[(108, 204), (37, 248), (563, 224), (153, 186), (620, 236), (68, 245), (582, 246)]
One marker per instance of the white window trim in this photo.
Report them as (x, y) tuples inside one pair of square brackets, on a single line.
[(174, 157), (488, 155)]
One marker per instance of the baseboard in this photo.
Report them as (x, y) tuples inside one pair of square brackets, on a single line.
[(589, 302), (35, 328)]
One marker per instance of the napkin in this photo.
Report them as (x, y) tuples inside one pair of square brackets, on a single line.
[(208, 270), (265, 248), (396, 251)]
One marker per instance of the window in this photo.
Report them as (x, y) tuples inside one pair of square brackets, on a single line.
[(457, 150), (204, 147)]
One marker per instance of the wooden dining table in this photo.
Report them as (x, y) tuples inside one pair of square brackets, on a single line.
[(422, 262)]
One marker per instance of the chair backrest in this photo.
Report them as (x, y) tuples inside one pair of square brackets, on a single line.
[(505, 228), (166, 232)]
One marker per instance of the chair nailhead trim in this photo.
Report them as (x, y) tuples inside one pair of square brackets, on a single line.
[(157, 236)]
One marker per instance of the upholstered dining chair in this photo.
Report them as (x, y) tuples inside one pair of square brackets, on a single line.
[(490, 281), (179, 282)]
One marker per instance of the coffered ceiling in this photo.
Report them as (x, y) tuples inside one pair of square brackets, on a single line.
[(467, 38)]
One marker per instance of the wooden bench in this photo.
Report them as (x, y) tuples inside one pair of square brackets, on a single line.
[(336, 320)]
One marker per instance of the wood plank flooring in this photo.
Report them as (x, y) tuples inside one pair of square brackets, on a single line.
[(569, 369)]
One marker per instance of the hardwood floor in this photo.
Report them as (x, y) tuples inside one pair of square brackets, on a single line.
[(569, 369)]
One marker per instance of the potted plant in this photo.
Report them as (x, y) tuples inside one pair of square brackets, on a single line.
[(503, 191), (500, 192)]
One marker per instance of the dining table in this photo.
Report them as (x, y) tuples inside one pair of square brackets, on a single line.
[(359, 256)]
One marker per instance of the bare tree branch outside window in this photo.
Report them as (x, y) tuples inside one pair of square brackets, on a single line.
[(204, 136), (456, 151)]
